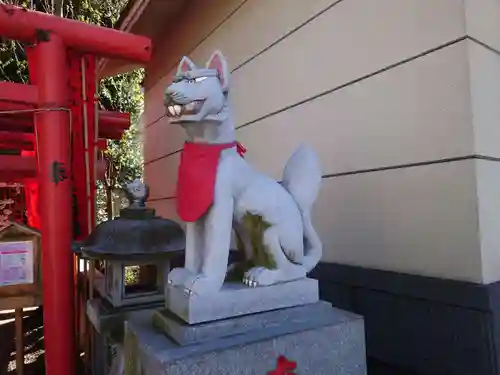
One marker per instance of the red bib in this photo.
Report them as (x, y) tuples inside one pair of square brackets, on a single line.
[(196, 178)]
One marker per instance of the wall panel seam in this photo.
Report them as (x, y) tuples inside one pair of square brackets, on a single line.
[(203, 39), (483, 44), (261, 52), (388, 168), (413, 165), (280, 39), (356, 81), (324, 93), (287, 34), (160, 199), (151, 161), (369, 75)]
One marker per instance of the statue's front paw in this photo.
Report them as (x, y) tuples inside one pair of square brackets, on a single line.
[(178, 276), (261, 276), (201, 285)]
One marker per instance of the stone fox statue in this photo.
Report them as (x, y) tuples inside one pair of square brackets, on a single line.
[(218, 191)]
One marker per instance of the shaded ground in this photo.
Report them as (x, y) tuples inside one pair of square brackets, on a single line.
[(33, 343)]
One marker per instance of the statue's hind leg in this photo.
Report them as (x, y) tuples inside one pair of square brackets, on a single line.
[(271, 264), (237, 269)]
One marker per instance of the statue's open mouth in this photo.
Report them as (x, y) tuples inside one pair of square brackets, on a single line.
[(177, 110)]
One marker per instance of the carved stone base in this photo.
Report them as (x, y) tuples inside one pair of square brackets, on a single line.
[(329, 341), (236, 299), (274, 323)]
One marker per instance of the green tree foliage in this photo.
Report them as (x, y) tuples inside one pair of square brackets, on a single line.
[(119, 93)]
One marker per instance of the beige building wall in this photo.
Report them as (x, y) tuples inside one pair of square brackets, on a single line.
[(399, 97)]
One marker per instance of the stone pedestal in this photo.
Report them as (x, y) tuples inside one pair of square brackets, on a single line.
[(236, 299), (108, 320), (108, 323), (320, 339)]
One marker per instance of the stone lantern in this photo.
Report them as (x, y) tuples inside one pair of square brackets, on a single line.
[(136, 240)]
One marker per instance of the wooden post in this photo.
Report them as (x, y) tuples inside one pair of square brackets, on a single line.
[(19, 342)]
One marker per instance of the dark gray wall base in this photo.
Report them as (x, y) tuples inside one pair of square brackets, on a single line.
[(427, 325)]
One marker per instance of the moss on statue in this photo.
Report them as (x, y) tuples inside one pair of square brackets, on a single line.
[(255, 226), (237, 270), (159, 323), (239, 243)]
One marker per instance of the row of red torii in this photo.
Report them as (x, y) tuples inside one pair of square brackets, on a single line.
[(50, 128)]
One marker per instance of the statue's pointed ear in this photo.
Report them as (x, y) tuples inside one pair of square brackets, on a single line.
[(218, 62), (185, 65)]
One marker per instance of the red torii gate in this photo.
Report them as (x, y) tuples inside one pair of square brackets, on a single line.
[(46, 108)]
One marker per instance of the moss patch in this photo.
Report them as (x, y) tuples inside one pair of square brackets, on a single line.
[(159, 322), (255, 226), (238, 270), (239, 243), (131, 353)]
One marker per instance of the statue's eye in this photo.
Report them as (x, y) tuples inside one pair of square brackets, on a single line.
[(200, 79)]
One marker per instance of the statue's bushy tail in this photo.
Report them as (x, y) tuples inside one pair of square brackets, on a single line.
[(302, 179)]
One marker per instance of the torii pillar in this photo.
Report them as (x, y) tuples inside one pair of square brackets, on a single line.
[(53, 138)]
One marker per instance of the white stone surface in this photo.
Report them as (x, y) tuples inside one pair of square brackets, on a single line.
[(236, 299), (334, 347), (198, 101)]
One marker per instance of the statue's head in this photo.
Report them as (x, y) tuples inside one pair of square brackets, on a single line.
[(137, 193), (199, 94)]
